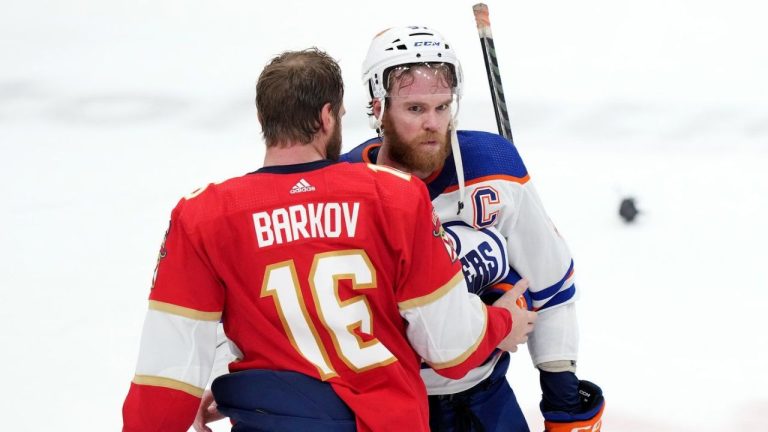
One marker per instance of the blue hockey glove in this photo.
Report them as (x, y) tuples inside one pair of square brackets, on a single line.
[(569, 404)]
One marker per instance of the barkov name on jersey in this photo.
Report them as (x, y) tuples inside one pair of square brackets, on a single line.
[(301, 221)]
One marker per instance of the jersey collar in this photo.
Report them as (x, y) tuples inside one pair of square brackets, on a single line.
[(295, 168)]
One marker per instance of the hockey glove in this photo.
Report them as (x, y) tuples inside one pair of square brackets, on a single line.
[(570, 405)]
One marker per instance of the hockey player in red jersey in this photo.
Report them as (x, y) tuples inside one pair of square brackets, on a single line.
[(315, 294), (492, 214)]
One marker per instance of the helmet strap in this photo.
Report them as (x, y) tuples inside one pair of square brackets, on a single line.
[(459, 165)]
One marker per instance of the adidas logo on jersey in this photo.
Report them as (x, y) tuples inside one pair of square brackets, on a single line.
[(302, 186)]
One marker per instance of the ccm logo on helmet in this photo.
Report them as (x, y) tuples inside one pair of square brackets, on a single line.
[(426, 43)]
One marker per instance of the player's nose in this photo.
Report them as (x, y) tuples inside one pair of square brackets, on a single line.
[(431, 121)]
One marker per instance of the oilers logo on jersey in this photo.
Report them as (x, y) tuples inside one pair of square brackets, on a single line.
[(483, 254)]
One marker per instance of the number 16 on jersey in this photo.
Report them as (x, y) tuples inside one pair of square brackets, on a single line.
[(340, 318)]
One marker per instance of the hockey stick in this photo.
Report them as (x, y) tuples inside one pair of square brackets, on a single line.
[(492, 69)]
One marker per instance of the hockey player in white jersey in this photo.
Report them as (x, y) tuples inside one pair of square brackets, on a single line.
[(495, 219)]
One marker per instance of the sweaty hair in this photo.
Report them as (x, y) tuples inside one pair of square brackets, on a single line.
[(291, 92), (404, 73)]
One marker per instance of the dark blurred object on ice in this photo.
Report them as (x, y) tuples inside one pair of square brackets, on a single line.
[(627, 210)]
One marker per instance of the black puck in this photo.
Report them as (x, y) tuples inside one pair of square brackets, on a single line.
[(627, 210)]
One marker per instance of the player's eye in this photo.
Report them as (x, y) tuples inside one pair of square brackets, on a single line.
[(443, 107), (415, 108)]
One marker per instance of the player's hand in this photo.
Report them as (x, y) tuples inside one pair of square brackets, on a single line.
[(522, 319), (206, 413), (569, 404)]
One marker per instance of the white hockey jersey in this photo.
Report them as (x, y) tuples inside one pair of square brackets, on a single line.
[(501, 233)]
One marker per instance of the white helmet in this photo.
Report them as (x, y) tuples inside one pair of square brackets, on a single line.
[(406, 45)]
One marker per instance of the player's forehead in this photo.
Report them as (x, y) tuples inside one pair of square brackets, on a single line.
[(420, 99), (412, 81)]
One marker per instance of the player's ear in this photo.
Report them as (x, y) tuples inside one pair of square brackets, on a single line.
[(327, 118), (376, 107)]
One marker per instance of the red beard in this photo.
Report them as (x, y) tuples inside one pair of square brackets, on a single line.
[(408, 154)]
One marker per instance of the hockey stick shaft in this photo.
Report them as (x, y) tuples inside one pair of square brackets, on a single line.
[(492, 69)]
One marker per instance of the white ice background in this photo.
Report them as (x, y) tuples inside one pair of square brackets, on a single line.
[(112, 110)]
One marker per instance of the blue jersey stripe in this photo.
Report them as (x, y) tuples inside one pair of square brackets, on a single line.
[(560, 298), (552, 290)]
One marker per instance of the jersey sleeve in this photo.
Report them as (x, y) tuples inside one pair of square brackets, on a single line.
[(538, 252), (450, 328), (179, 336)]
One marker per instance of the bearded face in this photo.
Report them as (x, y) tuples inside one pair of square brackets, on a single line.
[(420, 152), (415, 124)]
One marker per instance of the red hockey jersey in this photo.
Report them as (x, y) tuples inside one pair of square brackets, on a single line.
[(338, 271)]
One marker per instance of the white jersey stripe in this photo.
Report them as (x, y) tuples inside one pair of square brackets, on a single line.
[(457, 334), (166, 343)]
